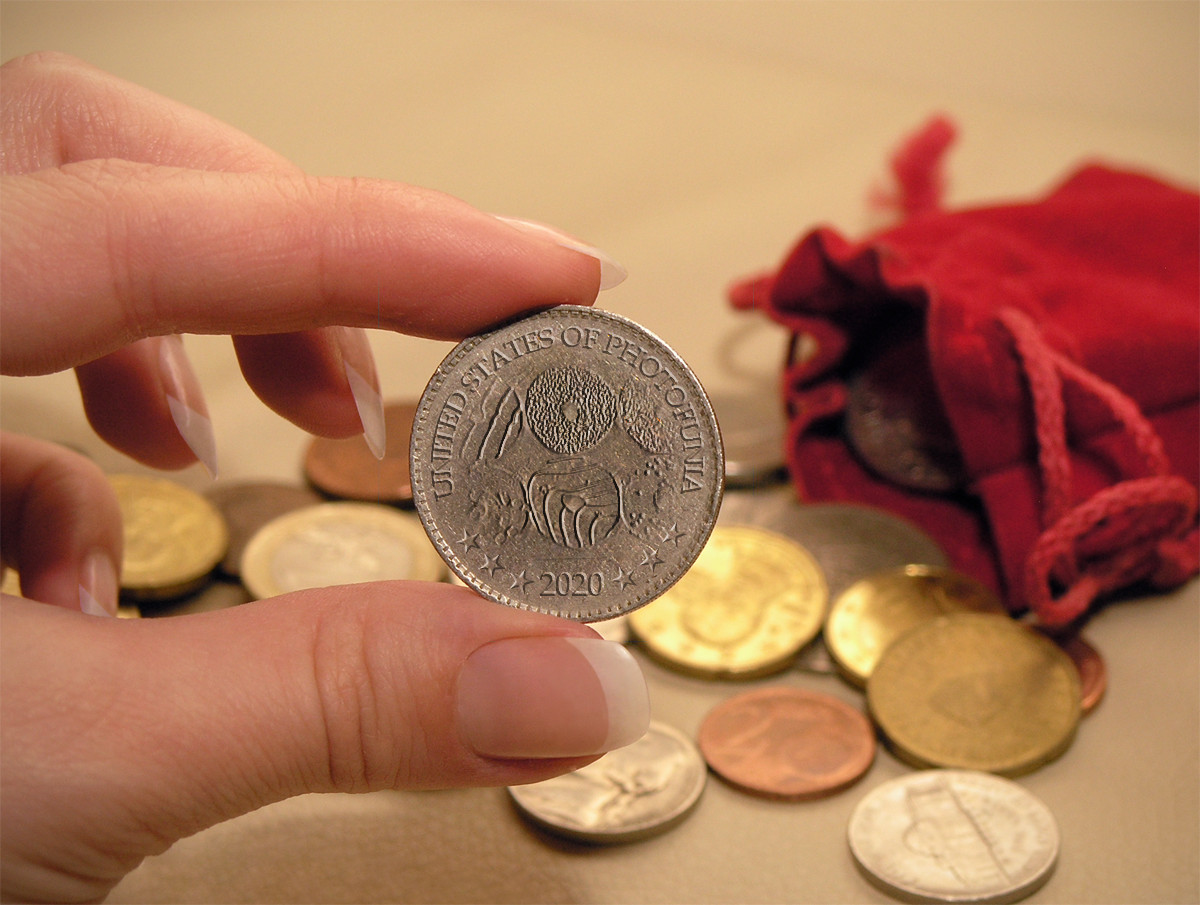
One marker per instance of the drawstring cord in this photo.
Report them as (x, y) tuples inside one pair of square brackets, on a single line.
[(1141, 528)]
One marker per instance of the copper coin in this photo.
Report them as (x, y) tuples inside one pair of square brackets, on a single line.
[(1093, 673), (249, 505), (348, 470), (787, 743)]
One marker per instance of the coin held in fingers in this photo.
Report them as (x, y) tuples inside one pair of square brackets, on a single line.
[(567, 463)]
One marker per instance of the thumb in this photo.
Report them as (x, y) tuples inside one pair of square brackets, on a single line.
[(120, 737)]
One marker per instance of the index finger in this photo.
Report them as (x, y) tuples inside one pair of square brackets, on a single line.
[(99, 253)]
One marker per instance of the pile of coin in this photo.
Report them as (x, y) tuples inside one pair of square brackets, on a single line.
[(570, 463)]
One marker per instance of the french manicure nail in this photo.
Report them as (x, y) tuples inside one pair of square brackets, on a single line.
[(98, 584), (359, 365), (611, 273), (186, 402), (551, 697)]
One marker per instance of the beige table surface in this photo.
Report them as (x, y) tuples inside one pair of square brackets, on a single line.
[(694, 142)]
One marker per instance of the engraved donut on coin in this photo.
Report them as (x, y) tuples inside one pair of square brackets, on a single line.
[(954, 836), (628, 794), (568, 463)]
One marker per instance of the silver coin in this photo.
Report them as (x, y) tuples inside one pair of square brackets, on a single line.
[(848, 540), (628, 794), (753, 429), (568, 463), (954, 836)]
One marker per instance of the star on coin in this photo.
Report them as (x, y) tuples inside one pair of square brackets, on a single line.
[(623, 579), (652, 559), (469, 540), (521, 580), (673, 534), (490, 564)]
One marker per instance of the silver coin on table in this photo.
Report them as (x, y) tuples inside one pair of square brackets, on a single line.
[(954, 836), (337, 543), (753, 429), (849, 541), (567, 463), (628, 794)]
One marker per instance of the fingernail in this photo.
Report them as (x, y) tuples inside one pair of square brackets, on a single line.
[(98, 585), (186, 402), (611, 273), (359, 365), (551, 697)]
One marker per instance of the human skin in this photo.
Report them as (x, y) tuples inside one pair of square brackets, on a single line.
[(128, 219)]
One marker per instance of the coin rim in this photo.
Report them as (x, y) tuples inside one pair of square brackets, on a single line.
[(255, 568), (637, 831), (421, 491)]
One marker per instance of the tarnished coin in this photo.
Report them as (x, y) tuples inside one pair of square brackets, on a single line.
[(850, 541), (954, 836), (787, 742), (753, 428), (174, 537), (337, 543), (895, 421), (752, 600), (248, 505), (567, 463), (869, 615), (347, 468), (977, 691), (628, 794)]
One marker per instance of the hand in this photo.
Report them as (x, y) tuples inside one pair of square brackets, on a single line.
[(127, 219)]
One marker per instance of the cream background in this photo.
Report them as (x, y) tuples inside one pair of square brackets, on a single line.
[(694, 142)]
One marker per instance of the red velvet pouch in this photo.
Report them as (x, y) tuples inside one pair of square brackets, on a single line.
[(1059, 344)]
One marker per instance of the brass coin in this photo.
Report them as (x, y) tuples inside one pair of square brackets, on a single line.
[(347, 468), (787, 743), (338, 543), (745, 608), (874, 611), (174, 537), (976, 691)]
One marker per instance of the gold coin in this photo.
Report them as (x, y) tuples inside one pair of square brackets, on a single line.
[(745, 608), (874, 611), (11, 583), (976, 691), (174, 537), (338, 543)]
